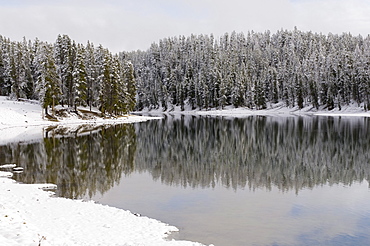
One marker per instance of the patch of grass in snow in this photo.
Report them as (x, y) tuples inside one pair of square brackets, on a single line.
[(87, 114), (80, 113), (51, 118)]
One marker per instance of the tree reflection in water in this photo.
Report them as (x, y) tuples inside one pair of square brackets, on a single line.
[(289, 153), (79, 163)]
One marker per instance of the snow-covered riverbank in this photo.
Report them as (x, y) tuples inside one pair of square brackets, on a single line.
[(31, 216), (277, 109), (27, 113), (23, 120)]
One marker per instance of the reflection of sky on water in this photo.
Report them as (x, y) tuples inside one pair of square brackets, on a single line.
[(297, 211), (179, 202), (329, 215)]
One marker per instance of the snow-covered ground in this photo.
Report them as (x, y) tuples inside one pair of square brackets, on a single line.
[(277, 109), (32, 216), (29, 113), (23, 120)]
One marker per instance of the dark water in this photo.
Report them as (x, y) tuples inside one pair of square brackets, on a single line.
[(251, 181)]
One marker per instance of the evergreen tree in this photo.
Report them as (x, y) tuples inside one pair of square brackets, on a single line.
[(2, 67), (129, 85), (8, 67), (64, 56), (91, 75), (47, 84), (13, 75), (27, 60), (105, 93), (80, 78), (112, 88), (299, 91)]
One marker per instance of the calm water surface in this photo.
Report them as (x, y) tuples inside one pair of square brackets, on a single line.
[(251, 181)]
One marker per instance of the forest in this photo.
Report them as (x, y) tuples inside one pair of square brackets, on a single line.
[(254, 70), (68, 74)]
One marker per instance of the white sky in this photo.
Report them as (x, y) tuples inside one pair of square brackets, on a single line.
[(125, 25)]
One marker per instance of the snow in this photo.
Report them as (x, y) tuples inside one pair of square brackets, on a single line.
[(6, 174), (277, 109), (30, 215), (25, 114), (7, 166), (23, 121), (18, 169)]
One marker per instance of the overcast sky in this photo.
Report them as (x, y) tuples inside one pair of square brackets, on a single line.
[(124, 25)]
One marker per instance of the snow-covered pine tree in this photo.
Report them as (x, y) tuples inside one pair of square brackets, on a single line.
[(80, 78), (105, 92), (20, 71), (14, 61), (2, 67), (27, 59), (7, 67), (64, 57), (129, 85), (91, 75), (47, 84), (112, 89), (119, 89)]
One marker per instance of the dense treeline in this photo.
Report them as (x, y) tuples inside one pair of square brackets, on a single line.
[(66, 73), (254, 70)]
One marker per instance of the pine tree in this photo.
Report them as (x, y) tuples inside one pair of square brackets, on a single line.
[(119, 90), (8, 67), (129, 84), (64, 56), (105, 93), (299, 91), (259, 95), (2, 67), (91, 75), (112, 89), (80, 78), (27, 60), (47, 84), (13, 71), (20, 71)]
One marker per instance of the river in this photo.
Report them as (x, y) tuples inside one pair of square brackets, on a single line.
[(257, 180)]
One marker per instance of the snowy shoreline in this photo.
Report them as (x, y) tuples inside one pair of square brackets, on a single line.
[(31, 216), (26, 114), (23, 121), (277, 109)]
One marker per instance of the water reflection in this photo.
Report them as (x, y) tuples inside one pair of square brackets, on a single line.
[(80, 162), (289, 153), (276, 158)]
